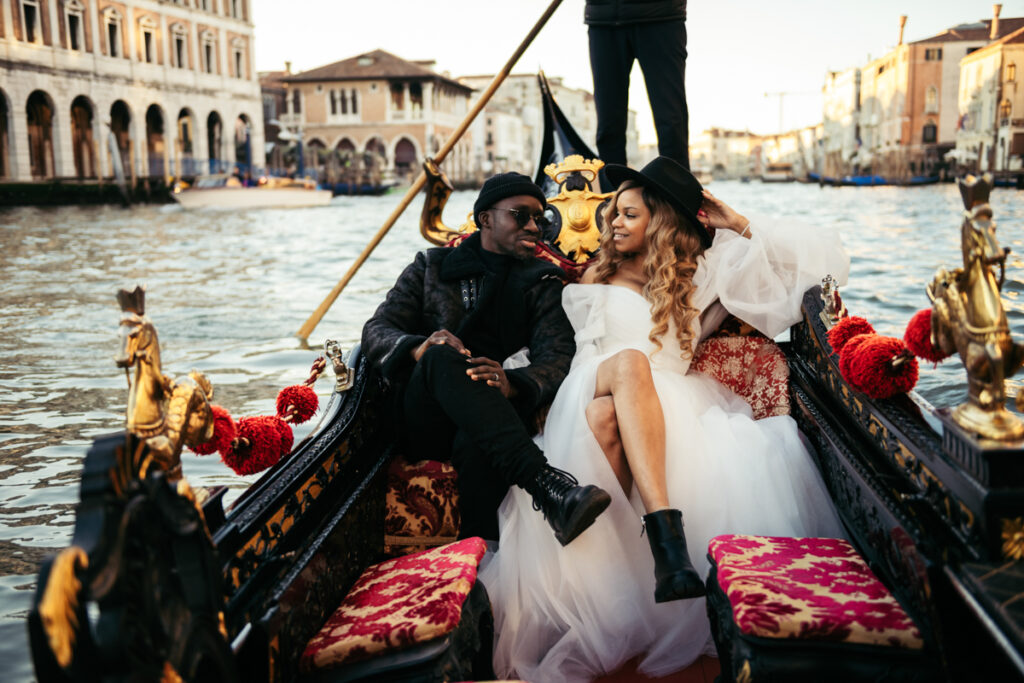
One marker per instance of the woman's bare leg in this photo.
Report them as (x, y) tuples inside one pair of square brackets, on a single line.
[(626, 377), (603, 423)]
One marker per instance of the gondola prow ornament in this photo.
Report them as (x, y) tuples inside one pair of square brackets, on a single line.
[(165, 414), (968, 318)]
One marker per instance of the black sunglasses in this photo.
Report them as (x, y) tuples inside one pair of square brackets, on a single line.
[(523, 217)]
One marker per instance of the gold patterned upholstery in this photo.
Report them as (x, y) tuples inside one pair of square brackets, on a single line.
[(810, 589), (397, 604), (754, 367)]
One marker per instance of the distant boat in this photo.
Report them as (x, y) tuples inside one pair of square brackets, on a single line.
[(227, 192), (778, 173), (346, 188), (877, 180)]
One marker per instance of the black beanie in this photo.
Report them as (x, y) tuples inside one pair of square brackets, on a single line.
[(503, 185)]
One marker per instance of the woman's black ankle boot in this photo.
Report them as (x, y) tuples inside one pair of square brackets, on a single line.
[(675, 577)]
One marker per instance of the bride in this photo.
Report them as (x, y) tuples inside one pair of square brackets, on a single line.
[(667, 444)]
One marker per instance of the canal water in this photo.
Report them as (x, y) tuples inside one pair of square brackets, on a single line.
[(228, 290)]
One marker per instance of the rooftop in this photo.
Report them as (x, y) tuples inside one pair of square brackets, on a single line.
[(978, 30), (374, 65)]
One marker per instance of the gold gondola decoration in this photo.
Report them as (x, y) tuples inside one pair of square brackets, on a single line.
[(968, 318), (163, 413), (576, 205), (580, 234)]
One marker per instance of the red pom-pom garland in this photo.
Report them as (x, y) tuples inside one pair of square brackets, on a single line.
[(260, 444), (297, 404), (846, 329), (880, 367), (255, 443), (846, 355), (224, 432), (919, 337)]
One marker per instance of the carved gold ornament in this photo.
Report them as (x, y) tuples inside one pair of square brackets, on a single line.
[(1013, 538), (968, 318), (438, 189), (59, 606), (165, 414), (580, 235)]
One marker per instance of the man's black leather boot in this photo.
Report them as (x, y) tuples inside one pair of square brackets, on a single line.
[(568, 507)]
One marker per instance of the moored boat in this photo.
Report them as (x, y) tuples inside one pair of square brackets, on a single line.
[(227, 192), (778, 173)]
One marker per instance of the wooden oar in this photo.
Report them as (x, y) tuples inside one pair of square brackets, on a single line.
[(421, 179)]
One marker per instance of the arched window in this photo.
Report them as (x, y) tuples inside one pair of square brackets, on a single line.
[(31, 21), (931, 100), (179, 46), (73, 13), (115, 35), (1011, 72), (238, 54), (83, 147), (147, 33), (930, 132), (1004, 110), (209, 51)]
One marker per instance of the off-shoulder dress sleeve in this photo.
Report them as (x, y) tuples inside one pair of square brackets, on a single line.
[(762, 280)]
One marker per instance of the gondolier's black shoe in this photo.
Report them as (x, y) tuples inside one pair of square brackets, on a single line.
[(568, 507), (675, 577)]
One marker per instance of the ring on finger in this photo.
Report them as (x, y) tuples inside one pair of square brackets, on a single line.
[(495, 377)]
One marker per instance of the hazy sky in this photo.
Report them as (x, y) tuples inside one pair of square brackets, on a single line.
[(738, 49)]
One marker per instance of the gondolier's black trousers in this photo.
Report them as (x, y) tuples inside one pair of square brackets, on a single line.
[(450, 416), (660, 48)]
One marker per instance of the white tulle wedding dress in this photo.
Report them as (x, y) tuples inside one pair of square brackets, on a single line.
[(573, 613)]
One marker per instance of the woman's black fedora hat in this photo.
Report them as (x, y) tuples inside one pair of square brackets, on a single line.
[(672, 181)]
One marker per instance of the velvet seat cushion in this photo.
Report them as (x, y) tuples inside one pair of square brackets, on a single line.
[(808, 588), (422, 506), (397, 604)]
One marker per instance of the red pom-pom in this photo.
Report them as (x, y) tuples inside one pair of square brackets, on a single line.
[(919, 337), (846, 329), (224, 432), (301, 399), (266, 439), (847, 354), (878, 366)]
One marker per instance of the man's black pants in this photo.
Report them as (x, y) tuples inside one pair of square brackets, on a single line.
[(450, 416), (660, 47)]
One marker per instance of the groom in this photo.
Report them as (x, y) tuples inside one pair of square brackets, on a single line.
[(445, 331)]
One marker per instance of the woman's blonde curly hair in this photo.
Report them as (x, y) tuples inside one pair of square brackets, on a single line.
[(668, 264)]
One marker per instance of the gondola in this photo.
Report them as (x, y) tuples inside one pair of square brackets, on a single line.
[(162, 582)]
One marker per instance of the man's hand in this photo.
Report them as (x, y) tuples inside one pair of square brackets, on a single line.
[(440, 337), (490, 371)]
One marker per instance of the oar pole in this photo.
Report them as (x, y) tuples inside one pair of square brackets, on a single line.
[(314, 320)]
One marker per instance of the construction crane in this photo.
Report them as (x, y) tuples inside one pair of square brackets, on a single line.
[(782, 96)]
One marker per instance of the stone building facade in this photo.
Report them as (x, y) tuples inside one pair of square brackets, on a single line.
[(725, 154), (990, 130), (840, 122), (94, 88), (379, 106), (909, 114)]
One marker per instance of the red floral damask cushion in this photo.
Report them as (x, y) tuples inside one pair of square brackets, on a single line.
[(422, 506), (397, 604), (811, 588), (754, 368)]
